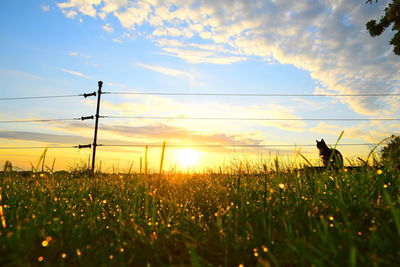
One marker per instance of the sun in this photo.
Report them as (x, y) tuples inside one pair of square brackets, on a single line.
[(187, 157)]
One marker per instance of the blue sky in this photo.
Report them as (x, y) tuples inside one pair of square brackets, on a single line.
[(290, 47)]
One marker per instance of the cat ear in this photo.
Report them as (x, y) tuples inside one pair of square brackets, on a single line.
[(322, 140)]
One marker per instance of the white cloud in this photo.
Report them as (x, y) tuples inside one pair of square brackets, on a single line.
[(199, 53), (167, 71), (114, 5), (20, 74), (117, 40), (173, 32), (76, 73), (45, 8), (76, 54), (327, 38), (108, 28), (86, 7), (201, 56), (136, 14), (71, 14)]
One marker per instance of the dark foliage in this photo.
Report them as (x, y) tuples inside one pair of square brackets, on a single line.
[(391, 153), (391, 16)]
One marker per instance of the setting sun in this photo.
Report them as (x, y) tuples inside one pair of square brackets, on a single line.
[(187, 157)]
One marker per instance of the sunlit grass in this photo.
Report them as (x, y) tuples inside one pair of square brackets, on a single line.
[(242, 216)]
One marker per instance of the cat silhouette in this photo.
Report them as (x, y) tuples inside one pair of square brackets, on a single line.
[(330, 157)]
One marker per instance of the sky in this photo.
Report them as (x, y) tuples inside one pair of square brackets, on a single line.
[(64, 47)]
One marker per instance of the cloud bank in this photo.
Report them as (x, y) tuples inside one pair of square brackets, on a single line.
[(326, 38), (139, 136)]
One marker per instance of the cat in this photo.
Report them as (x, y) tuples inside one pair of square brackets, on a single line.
[(327, 154)]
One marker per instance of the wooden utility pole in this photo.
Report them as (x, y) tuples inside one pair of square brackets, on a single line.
[(99, 92)]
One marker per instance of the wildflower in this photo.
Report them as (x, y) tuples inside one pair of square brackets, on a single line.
[(2, 217), (255, 251)]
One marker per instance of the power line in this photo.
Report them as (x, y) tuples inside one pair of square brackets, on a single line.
[(204, 118), (185, 146), (247, 119), (203, 94), (228, 146), (35, 147), (251, 95), (39, 120), (38, 97)]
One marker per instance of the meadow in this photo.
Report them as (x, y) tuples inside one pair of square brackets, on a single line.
[(238, 217)]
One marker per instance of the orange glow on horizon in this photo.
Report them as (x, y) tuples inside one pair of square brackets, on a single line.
[(187, 158)]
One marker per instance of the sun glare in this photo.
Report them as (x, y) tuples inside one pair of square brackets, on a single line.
[(187, 157)]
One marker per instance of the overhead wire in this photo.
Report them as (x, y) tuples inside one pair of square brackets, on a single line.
[(203, 118), (35, 147), (39, 120), (227, 145), (204, 94), (251, 94), (247, 119), (38, 97), (185, 146)]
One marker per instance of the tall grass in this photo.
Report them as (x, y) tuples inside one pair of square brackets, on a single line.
[(268, 217)]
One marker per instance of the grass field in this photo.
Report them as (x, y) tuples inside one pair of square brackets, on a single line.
[(240, 218)]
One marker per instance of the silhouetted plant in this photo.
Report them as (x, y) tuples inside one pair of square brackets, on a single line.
[(391, 153)]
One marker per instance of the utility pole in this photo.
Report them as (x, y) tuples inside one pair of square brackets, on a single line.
[(99, 92)]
